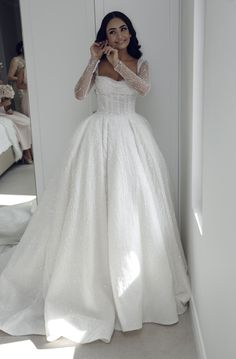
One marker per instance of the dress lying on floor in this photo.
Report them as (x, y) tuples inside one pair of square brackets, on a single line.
[(102, 251)]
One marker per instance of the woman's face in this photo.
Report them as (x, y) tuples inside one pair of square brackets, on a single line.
[(118, 34)]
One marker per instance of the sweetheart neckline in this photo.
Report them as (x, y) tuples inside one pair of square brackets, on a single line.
[(110, 78)]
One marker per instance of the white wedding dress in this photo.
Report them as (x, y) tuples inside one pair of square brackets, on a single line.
[(102, 251)]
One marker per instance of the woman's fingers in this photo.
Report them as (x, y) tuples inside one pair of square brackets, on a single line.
[(100, 44), (101, 47), (108, 49)]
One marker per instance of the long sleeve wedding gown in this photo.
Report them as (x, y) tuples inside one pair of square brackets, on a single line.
[(102, 251)]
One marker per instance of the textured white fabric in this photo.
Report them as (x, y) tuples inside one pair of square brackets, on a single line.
[(4, 140), (12, 134), (87, 79), (14, 220), (22, 128), (102, 251), (139, 82)]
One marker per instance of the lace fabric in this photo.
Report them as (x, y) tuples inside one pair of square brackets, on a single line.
[(87, 79), (140, 81), (107, 251)]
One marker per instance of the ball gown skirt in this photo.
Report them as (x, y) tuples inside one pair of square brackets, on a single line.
[(102, 251)]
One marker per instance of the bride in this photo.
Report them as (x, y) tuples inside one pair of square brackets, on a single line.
[(102, 251)]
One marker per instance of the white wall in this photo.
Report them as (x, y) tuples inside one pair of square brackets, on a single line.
[(57, 36), (212, 257)]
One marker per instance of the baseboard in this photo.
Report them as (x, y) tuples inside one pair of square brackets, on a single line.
[(197, 331)]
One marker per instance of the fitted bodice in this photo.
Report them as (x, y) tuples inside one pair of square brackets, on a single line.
[(114, 96)]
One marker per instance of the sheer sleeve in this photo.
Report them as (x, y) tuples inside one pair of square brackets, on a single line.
[(139, 82), (87, 79)]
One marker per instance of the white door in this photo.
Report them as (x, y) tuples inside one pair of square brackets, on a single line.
[(56, 35)]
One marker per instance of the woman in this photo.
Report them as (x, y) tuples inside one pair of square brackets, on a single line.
[(16, 64), (104, 242)]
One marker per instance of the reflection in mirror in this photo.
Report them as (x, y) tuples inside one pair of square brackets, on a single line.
[(17, 177)]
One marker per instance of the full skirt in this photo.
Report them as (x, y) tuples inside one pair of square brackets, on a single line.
[(102, 251)]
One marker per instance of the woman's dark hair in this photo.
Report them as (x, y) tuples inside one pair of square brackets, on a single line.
[(133, 47), (19, 48)]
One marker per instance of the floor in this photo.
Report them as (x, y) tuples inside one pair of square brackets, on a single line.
[(152, 342), (17, 184)]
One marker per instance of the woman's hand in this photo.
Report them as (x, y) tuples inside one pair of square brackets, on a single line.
[(97, 49), (111, 54)]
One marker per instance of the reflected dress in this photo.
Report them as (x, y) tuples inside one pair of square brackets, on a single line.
[(102, 251)]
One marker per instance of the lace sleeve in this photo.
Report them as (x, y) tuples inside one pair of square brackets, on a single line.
[(87, 79), (139, 82)]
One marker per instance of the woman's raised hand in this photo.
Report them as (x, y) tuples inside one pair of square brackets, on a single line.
[(111, 54), (97, 49)]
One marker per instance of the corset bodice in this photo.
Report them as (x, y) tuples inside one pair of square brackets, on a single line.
[(114, 96)]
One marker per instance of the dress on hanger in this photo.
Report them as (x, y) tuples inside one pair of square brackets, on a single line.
[(102, 251)]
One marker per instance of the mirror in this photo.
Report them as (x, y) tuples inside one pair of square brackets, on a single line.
[(17, 176)]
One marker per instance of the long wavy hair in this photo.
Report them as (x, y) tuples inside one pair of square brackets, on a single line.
[(133, 47)]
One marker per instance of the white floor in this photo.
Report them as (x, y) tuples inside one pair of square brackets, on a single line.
[(17, 184), (152, 342)]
